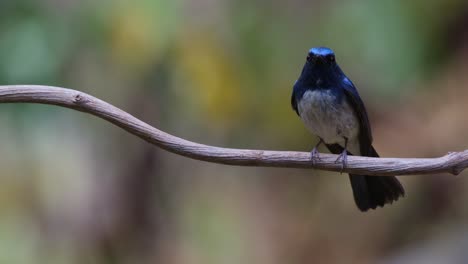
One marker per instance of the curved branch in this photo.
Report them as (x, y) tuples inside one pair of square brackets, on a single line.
[(451, 163)]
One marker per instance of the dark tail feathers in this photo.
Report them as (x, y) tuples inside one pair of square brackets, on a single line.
[(372, 191)]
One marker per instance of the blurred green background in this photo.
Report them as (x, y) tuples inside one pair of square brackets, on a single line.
[(75, 189)]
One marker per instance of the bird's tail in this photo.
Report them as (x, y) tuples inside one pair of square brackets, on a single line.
[(372, 191)]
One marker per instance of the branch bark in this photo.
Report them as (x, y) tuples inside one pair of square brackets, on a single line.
[(453, 163)]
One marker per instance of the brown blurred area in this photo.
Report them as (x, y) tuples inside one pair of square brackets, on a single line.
[(75, 189)]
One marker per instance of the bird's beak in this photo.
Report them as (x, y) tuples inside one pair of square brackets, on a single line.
[(320, 59)]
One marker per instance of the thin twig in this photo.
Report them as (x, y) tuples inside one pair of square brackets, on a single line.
[(452, 163)]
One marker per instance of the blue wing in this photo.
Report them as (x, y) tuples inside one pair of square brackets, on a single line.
[(365, 133), (296, 95)]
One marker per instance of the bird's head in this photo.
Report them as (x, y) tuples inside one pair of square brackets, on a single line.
[(321, 56), (320, 68)]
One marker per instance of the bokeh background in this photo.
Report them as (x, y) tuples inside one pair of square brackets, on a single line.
[(75, 189)]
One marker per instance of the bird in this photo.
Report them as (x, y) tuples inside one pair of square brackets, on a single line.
[(330, 107)]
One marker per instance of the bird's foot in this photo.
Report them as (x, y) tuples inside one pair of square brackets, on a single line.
[(344, 160), (314, 156)]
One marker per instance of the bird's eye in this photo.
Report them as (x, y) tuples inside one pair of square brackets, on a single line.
[(331, 58), (309, 57)]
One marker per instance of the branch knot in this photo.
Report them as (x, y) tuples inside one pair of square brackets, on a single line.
[(80, 98)]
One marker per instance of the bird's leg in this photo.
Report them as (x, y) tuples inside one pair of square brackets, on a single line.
[(314, 154), (343, 156)]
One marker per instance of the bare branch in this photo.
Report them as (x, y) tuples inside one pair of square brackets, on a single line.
[(452, 163)]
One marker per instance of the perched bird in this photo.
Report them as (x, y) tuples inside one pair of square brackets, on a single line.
[(330, 107)]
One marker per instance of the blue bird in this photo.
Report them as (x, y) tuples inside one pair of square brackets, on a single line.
[(331, 108)]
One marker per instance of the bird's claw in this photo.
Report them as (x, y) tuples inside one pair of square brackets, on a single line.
[(314, 156), (344, 160)]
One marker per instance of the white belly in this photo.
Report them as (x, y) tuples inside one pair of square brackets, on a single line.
[(323, 116)]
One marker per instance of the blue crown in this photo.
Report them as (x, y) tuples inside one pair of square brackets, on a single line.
[(322, 51)]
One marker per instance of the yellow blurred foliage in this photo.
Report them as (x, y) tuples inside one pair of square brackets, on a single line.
[(136, 37), (212, 74)]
